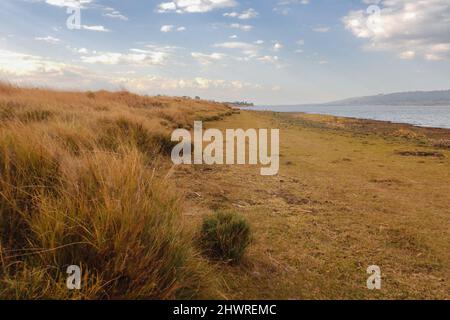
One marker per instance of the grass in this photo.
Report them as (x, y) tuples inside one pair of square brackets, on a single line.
[(82, 182), (344, 200), (225, 236), (85, 179)]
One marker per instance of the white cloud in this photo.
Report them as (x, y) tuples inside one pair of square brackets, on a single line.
[(48, 39), (170, 28), (252, 51), (243, 27), (69, 3), (277, 46), (433, 57), (95, 28), (84, 4), (409, 28), (248, 49), (407, 55), (269, 59), (207, 59), (167, 28), (19, 64), (194, 6), (245, 15), (134, 57), (144, 84), (35, 70), (115, 14)]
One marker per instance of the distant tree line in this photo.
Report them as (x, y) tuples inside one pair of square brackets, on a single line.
[(241, 103)]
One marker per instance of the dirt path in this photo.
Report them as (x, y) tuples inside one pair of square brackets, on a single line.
[(343, 201)]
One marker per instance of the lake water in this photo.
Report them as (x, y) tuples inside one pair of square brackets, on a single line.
[(423, 116)]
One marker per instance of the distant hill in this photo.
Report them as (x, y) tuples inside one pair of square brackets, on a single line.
[(422, 98)]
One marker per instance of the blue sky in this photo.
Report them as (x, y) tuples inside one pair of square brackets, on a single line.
[(268, 52)]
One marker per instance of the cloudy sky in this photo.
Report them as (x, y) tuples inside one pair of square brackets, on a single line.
[(268, 52)]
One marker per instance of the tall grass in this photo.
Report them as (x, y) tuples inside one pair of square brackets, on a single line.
[(81, 184)]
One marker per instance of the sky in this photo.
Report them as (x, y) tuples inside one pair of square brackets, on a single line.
[(266, 52)]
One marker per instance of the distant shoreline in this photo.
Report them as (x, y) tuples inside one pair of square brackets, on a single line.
[(367, 120), (417, 116), (435, 134)]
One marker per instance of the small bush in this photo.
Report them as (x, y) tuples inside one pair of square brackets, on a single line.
[(225, 236), (90, 95)]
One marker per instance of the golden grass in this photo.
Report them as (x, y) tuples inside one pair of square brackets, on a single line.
[(84, 180), (345, 199), (81, 183)]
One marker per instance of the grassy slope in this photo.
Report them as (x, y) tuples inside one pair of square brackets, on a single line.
[(82, 181), (344, 200)]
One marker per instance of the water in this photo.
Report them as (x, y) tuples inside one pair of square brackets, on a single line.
[(422, 116)]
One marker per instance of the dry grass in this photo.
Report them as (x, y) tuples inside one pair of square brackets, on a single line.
[(442, 143), (84, 180), (225, 236), (344, 200), (82, 183)]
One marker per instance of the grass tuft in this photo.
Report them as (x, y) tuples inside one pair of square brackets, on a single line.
[(225, 236)]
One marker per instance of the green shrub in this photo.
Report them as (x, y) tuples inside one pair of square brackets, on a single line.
[(225, 236)]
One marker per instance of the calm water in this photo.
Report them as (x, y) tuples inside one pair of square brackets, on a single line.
[(423, 116)]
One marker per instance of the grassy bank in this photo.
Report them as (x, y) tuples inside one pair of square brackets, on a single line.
[(83, 182)]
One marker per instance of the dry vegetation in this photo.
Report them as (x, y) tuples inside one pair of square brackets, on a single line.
[(85, 180), (82, 183), (346, 197)]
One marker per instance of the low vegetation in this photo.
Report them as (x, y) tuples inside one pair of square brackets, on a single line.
[(225, 236), (82, 183), (344, 199), (85, 180)]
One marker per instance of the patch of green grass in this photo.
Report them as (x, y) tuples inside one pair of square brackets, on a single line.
[(225, 236)]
